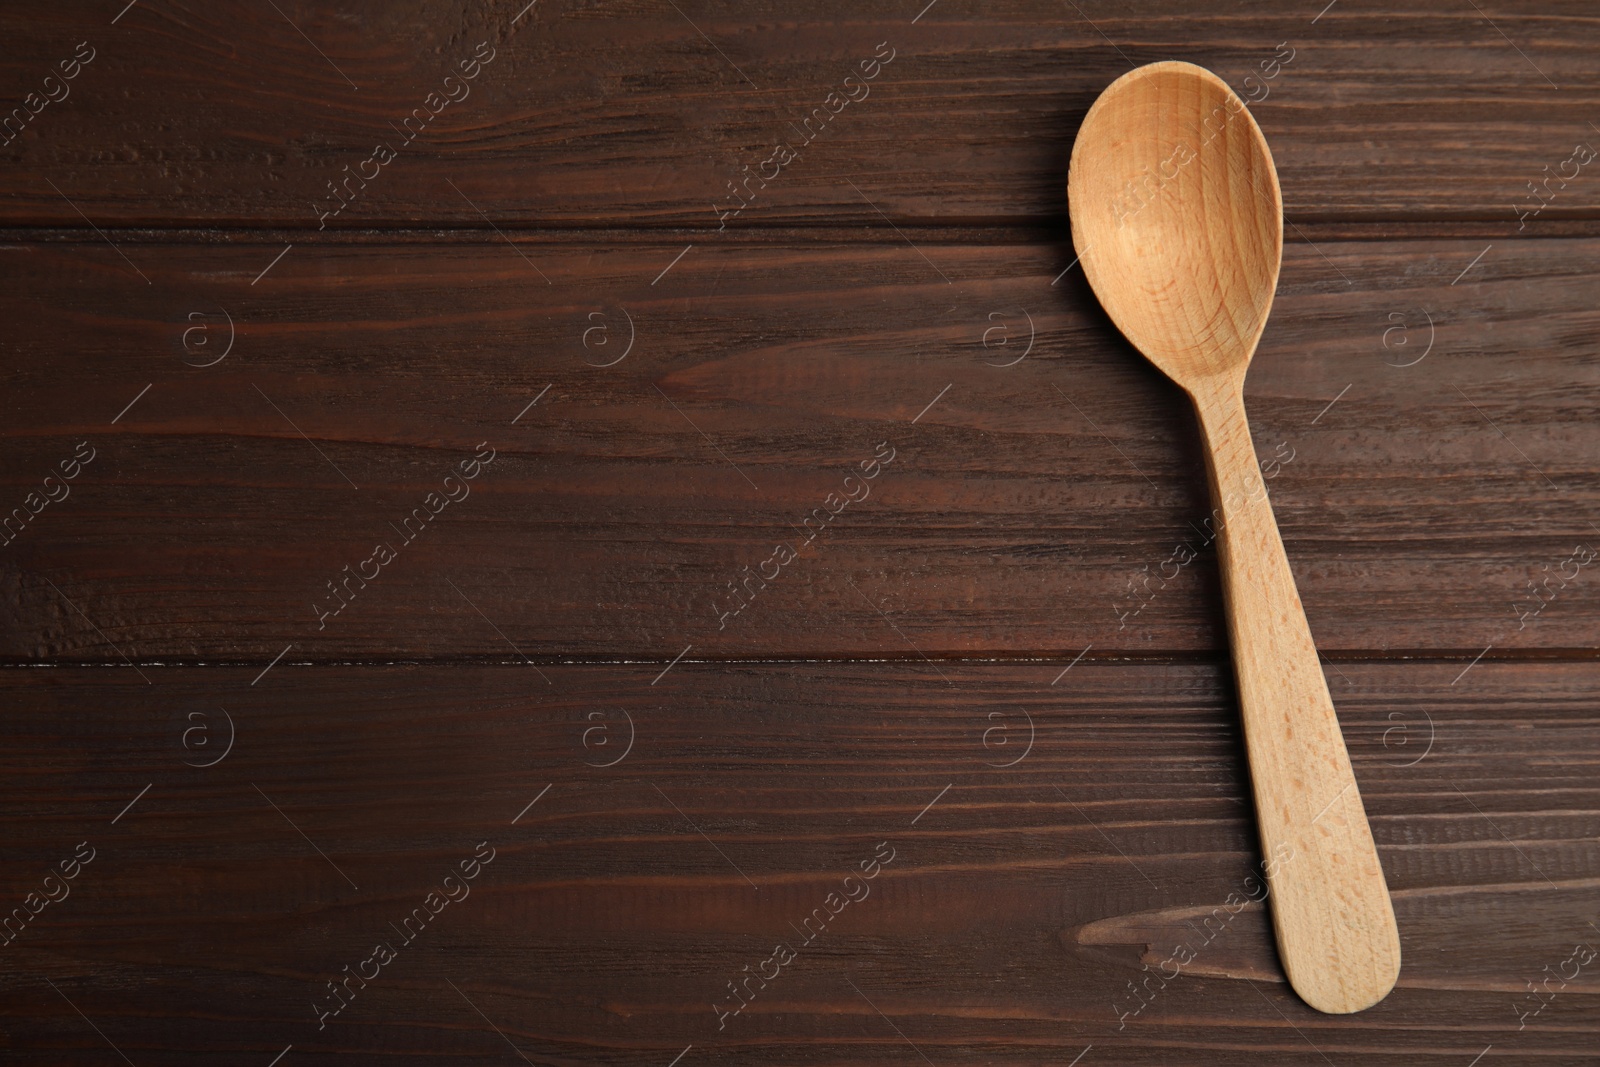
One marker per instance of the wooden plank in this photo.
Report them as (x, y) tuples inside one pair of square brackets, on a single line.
[(243, 114), (1019, 903), (1030, 508)]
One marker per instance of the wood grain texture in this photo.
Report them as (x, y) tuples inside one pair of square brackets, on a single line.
[(1187, 269), (1424, 399), (1036, 508), (235, 113), (1331, 911), (1019, 910)]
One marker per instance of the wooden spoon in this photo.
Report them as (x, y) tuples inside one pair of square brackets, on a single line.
[(1178, 221)]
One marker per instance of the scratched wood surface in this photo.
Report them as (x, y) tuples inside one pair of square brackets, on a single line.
[(224, 780)]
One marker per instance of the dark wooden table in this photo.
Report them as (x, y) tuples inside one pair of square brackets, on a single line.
[(615, 533)]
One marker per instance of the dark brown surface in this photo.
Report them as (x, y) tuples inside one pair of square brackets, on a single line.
[(1012, 521), (223, 113), (165, 607), (1013, 914)]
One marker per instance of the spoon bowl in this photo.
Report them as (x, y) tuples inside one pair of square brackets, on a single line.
[(1178, 221), (1178, 217)]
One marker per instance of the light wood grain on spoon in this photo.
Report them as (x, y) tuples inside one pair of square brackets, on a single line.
[(1178, 220)]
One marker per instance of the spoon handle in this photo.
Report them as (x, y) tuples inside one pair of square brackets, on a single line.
[(1330, 906)]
